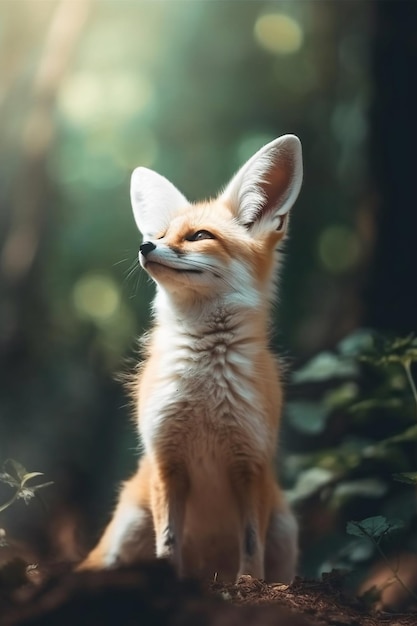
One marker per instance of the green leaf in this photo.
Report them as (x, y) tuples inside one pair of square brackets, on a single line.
[(9, 480), (410, 434), (362, 487), (15, 469), (309, 482), (357, 342), (409, 478), (6, 505), (42, 485), (29, 476), (325, 366), (307, 417), (341, 396), (387, 350), (374, 527), (371, 404)]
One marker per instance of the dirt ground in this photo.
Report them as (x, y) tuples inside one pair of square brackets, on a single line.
[(151, 594)]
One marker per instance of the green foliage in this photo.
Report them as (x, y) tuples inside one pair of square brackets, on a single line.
[(358, 417), (375, 528), (325, 366), (384, 351), (16, 476), (401, 351)]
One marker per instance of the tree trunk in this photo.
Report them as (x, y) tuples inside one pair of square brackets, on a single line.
[(391, 298)]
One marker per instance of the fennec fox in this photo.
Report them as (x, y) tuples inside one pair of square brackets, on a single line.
[(208, 395)]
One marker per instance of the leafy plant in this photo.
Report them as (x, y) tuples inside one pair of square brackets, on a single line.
[(355, 413), (400, 351), (17, 477)]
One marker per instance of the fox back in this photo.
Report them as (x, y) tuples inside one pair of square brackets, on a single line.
[(208, 394)]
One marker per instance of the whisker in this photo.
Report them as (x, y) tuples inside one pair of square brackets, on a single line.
[(132, 269)]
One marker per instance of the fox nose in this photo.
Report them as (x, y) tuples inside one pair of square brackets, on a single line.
[(146, 247)]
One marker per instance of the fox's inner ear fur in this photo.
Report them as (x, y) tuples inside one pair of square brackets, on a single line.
[(265, 188), (155, 201)]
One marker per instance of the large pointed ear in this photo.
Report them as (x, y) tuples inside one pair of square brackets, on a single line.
[(265, 188), (155, 201)]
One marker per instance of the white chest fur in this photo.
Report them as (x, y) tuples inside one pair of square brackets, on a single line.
[(205, 387)]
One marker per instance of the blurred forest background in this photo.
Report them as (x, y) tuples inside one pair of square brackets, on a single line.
[(91, 89)]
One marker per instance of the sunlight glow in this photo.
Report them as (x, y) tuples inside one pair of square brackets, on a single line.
[(88, 96), (338, 248), (278, 33), (96, 297)]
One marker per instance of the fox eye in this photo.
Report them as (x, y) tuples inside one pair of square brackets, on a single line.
[(199, 235), (281, 222)]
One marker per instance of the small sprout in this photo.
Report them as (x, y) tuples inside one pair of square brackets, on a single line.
[(16, 476)]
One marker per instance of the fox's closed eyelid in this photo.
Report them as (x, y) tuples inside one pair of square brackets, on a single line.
[(282, 221), (199, 235)]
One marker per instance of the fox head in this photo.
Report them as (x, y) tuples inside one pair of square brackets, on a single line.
[(225, 248)]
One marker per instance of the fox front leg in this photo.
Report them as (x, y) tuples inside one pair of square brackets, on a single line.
[(251, 490), (168, 498), (252, 560)]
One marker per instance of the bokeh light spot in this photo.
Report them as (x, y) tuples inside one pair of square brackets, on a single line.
[(338, 248), (86, 97), (96, 297), (278, 33)]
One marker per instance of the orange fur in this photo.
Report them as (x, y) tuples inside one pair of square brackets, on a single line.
[(209, 396)]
